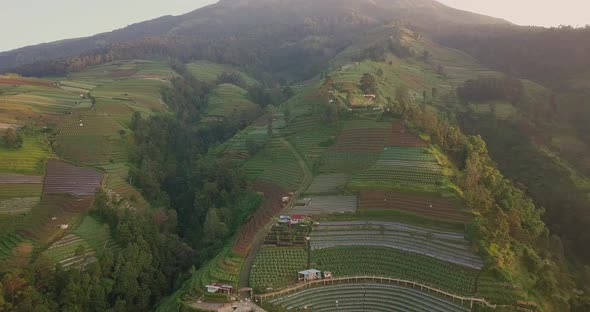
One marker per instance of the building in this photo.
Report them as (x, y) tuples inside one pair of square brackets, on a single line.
[(297, 218), (284, 219), (219, 289), (310, 275)]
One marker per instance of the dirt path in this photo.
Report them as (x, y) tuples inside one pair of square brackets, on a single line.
[(259, 240)]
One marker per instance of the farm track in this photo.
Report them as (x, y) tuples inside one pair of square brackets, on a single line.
[(258, 239)]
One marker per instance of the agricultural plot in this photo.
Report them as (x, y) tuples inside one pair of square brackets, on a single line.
[(138, 69), (20, 190), (277, 267), (229, 100), (236, 147), (402, 167), (427, 206), (18, 205), (445, 246), (357, 138), (140, 94), (263, 215), (97, 235), (328, 183), (347, 162), (388, 262), (312, 142), (402, 137), (499, 291), (275, 164), (366, 297), (20, 179), (91, 140), (9, 242), (225, 268), (34, 100), (28, 159), (117, 181), (209, 71), (314, 205), (62, 177), (71, 250)]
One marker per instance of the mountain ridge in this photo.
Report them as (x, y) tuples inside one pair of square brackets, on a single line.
[(232, 18)]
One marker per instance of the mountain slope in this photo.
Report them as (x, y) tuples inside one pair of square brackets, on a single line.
[(231, 18)]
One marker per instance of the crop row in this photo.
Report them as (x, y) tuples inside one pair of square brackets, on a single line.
[(351, 261), (62, 177), (366, 297), (326, 204), (328, 183), (276, 267), (18, 205)]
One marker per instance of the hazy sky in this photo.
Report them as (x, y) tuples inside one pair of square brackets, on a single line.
[(530, 12), (37, 21)]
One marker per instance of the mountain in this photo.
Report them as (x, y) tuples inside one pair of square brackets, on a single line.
[(234, 18)]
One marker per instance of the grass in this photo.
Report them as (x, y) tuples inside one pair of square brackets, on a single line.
[(277, 267), (28, 159)]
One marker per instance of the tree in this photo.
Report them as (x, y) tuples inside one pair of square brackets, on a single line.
[(252, 146), (12, 139), (434, 92), (368, 84)]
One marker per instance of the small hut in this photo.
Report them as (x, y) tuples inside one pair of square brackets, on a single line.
[(219, 289), (310, 275)]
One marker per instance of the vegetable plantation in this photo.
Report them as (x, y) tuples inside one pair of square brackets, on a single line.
[(366, 297), (328, 183), (323, 204), (388, 262), (276, 267), (446, 246)]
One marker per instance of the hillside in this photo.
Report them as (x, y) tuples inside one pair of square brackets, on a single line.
[(324, 156), (238, 31)]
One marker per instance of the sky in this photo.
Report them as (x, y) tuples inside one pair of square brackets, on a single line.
[(39, 21)]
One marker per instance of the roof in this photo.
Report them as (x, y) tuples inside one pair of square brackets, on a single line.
[(298, 216), (220, 286), (310, 271)]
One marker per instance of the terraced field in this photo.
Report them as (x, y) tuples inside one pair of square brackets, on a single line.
[(366, 297), (91, 140), (402, 137), (62, 177), (275, 164), (402, 166), (388, 262), (313, 142), (362, 136), (71, 250), (446, 246), (328, 183), (428, 206), (276, 267), (268, 209), (28, 159), (18, 205), (117, 181), (209, 71), (325, 204), (97, 235), (224, 268), (227, 100), (236, 147), (9, 242), (348, 162)]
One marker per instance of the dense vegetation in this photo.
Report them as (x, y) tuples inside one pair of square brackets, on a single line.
[(137, 277)]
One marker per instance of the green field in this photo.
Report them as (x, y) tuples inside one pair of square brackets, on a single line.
[(96, 235), (91, 140), (28, 159), (229, 100), (276, 267), (275, 163)]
